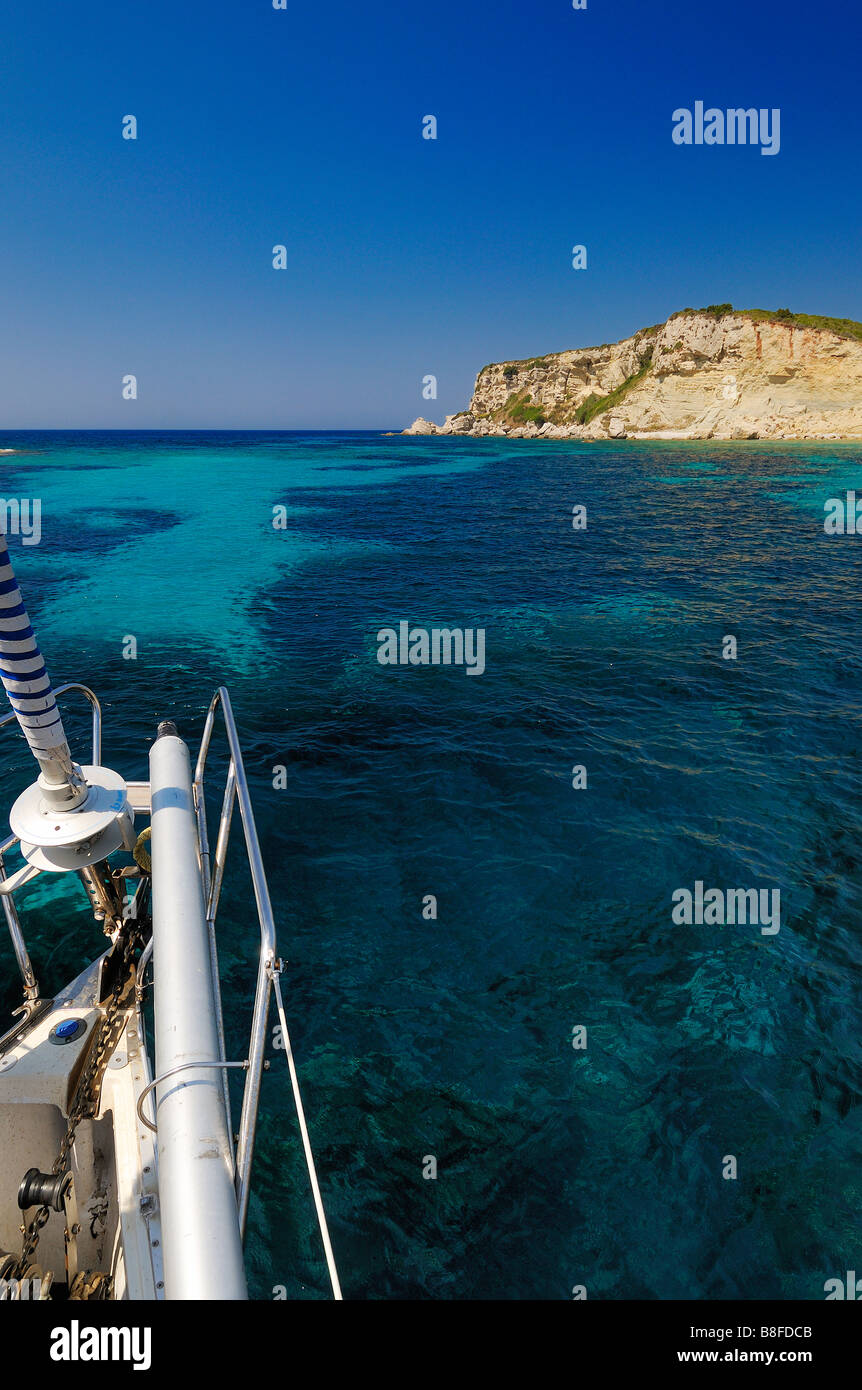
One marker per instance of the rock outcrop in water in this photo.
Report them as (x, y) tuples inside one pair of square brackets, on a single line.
[(711, 373)]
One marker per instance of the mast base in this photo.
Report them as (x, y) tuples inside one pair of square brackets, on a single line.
[(63, 841)]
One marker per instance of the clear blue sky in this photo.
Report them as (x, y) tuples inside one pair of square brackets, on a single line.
[(406, 256)]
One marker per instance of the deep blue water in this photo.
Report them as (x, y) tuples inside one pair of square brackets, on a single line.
[(453, 1037)]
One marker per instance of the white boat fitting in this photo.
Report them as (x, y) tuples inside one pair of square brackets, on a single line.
[(119, 1178)]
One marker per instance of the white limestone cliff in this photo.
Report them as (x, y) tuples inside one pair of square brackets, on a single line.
[(700, 375)]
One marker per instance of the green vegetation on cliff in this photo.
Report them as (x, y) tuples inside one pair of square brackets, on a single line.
[(843, 328), (519, 411), (598, 405)]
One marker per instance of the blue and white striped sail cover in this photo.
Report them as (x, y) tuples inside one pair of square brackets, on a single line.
[(22, 668)]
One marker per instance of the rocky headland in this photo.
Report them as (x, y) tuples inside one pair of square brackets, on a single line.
[(715, 373)]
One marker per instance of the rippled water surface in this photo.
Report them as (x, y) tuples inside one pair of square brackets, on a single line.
[(453, 1037)]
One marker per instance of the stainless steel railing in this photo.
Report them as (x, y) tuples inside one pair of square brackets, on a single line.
[(236, 789), (268, 973)]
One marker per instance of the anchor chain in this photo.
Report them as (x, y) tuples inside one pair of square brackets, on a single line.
[(85, 1104)]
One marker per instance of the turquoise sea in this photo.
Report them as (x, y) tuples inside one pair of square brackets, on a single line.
[(452, 1037)]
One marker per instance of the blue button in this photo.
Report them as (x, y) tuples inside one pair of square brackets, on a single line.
[(67, 1031)]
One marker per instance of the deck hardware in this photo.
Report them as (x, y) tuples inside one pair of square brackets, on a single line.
[(43, 1189), (183, 1066), (68, 1031)]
